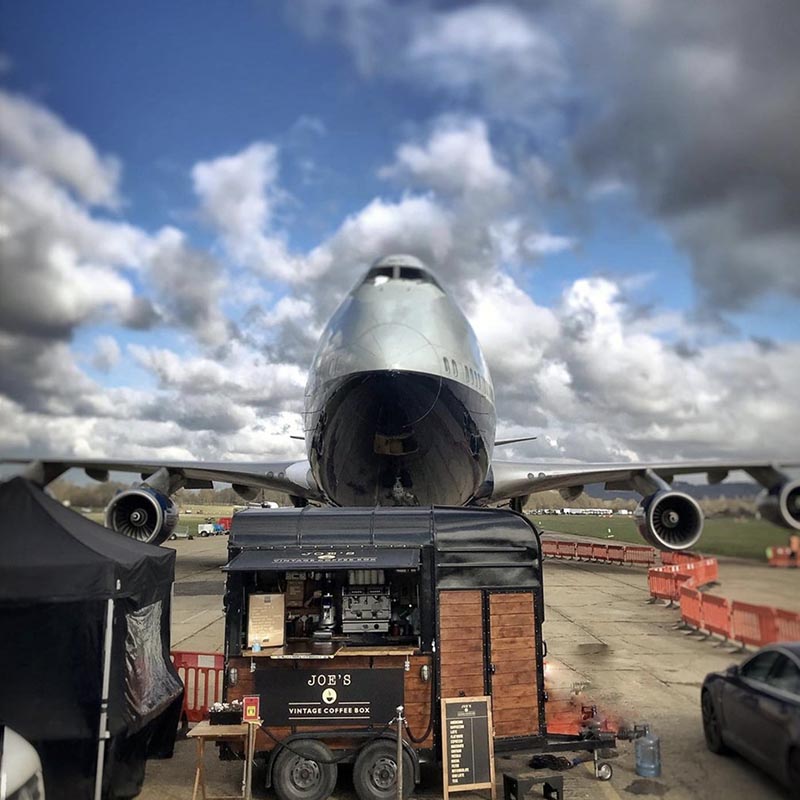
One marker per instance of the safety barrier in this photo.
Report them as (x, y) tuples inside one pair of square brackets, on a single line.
[(716, 613), (677, 581), (691, 606), (202, 675), (591, 551), (644, 556), (787, 625), (753, 625), (583, 551), (566, 550), (549, 547), (600, 552), (782, 557), (616, 554)]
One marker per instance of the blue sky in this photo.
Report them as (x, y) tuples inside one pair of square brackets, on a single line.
[(344, 114)]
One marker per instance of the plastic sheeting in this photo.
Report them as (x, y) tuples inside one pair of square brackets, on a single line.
[(148, 678)]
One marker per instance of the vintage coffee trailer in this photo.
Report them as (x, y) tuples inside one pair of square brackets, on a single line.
[(337, 616)]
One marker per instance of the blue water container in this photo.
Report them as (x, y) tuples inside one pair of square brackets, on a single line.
[(648, 755)]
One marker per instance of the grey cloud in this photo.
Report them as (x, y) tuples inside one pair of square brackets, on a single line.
[(696, 105)]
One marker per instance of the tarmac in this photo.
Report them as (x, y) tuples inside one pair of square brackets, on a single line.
[(607, 646)]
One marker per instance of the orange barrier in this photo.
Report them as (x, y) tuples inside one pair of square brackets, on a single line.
[(202, 675), (753, 625), (600, 552), (691, 606), (549, 547), (716, 615), (566, 550), (645, 556), (616, 554), (583, 550), (782, 557), (787, 626), (661, 584)]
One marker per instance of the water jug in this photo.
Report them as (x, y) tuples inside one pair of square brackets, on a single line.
[(648, 755)]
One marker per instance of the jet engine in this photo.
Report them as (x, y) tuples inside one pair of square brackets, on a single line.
[(781, 504), (143, 514), (669, 520)]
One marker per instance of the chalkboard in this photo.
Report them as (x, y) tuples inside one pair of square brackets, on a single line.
[(467, 744)]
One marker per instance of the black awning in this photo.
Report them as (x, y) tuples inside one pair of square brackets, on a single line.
[(324, 558)]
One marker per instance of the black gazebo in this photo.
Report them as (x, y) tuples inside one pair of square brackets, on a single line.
[(85, 672)]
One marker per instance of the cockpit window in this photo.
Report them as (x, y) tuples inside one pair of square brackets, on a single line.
[(380, 275)]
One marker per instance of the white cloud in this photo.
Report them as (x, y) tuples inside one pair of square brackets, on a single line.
[(32, 134), (457, 159), (238, 195), (547, 244), (106, 353)]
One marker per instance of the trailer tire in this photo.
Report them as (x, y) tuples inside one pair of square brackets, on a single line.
[(375, 771), (308, 776)]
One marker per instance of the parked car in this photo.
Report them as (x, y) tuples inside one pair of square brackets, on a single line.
[(754, 709), (20, 768)]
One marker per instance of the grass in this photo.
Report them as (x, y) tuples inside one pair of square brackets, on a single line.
[(742, 538)]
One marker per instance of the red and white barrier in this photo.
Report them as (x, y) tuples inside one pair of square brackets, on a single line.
[(202, 676)]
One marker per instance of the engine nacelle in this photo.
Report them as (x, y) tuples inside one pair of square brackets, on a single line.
[(669, 520), (142, 514), (781, 505)]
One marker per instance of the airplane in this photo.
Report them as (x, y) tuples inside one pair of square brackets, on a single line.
[(400, 410)]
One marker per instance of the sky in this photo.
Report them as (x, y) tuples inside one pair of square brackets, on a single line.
[(610, 190)]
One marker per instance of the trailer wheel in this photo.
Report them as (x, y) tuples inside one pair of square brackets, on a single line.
[(304, 772), (604, 771), (375, 771)]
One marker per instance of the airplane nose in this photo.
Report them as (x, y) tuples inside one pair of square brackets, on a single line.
[(394, 346)]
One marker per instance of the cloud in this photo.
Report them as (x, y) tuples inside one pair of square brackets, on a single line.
[(494, 51), (696, 110), (189, 284), (238, 196), (691, 112), (32, 134), (457, 159), (106, 353)]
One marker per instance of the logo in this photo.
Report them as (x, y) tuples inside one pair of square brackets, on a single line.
[(329, 696)]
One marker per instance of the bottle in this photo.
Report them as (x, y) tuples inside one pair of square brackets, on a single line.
[(648, 755)]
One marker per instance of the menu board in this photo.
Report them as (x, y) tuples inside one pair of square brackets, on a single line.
[(265, 620), (467, 744)]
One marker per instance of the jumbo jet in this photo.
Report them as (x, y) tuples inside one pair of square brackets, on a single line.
[(400, 410)]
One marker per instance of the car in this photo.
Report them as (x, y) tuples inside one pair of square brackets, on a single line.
[(754, 709), (20, 768)]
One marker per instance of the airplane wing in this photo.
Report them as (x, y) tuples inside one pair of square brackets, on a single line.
[(517, 479), (292, 477)]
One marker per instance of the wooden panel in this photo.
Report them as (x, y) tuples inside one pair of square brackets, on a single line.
[(461, 643), (513, 654)]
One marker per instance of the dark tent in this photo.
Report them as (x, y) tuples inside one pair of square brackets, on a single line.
[(85, 673)]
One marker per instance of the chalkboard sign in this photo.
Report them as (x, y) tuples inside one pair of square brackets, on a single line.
[(467, 744)]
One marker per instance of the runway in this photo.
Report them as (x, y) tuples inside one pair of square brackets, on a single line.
[(603, 637)]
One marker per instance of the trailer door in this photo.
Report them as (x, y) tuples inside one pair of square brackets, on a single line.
[(487, 645), (514, 677), (461, 644)]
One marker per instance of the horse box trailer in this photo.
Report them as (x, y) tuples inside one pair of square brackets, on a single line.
[(335, 617)]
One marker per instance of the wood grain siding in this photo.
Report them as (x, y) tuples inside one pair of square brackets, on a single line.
[(513, 654), (461, 643)]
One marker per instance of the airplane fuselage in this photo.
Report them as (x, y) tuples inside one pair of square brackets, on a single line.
[(399, 406)]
